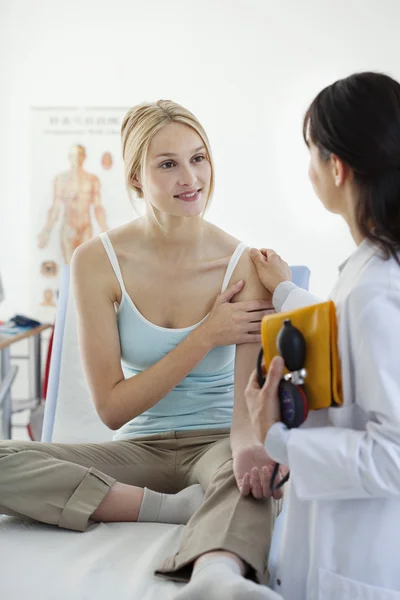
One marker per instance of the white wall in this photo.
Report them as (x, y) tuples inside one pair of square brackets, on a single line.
[(247, 68)]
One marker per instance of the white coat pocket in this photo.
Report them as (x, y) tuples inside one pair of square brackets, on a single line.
[(336, 587)]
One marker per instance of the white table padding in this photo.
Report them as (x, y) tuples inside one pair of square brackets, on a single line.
[(109, 560)]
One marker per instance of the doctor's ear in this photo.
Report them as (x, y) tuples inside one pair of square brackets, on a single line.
[(340, 170)]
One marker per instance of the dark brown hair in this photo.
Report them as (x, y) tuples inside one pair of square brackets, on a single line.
[(358, 120)]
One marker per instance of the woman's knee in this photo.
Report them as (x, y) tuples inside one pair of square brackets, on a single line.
[(10, 447)]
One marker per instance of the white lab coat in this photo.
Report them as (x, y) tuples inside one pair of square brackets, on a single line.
[(341, 535)]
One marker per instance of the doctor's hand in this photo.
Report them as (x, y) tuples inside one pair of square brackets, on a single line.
[(252, 468), (263, 403), (271, 268)]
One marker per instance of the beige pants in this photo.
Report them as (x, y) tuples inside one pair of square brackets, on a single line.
[(63, 484)]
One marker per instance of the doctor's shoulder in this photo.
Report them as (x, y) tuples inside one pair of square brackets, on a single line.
[(374, 300), (380, 273)]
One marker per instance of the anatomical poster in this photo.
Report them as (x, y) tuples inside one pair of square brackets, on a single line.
[(78, 190)]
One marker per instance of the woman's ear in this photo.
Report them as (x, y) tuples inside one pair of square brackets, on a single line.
[(136, 182), (340, 170)]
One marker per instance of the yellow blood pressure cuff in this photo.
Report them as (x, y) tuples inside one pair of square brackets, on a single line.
[(318, 324)]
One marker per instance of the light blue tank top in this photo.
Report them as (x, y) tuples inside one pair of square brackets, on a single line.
[(204, 399)]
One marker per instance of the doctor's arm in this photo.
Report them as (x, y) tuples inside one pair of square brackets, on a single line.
[(333, 463)]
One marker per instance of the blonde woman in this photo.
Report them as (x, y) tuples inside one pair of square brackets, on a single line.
[(158, 328)]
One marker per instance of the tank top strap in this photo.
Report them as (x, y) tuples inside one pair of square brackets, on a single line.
[(108, 247), (240, 248)]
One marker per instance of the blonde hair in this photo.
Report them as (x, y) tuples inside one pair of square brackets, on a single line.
[(140, 125)]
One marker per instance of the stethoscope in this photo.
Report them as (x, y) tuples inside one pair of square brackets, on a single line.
[(293, 402)]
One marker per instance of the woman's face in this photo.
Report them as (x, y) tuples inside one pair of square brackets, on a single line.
[(177, 174), (323, 179)]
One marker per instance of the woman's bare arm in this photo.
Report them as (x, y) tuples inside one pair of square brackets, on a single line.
[(242, 433), (117, 400), (251, 464)]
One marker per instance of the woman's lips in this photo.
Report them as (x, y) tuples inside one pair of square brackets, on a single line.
[(189, 196)]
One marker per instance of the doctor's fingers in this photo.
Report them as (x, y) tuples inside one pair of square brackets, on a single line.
[(274, 376), (268, 253), (273, 262), (272, 380), (252, 384)]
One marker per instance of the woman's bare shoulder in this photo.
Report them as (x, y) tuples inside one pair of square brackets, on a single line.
[(91, 266), (89, 270), (224, 241), (245, 268), (253, 288), (91, 254), (88, 256), (126, 235)]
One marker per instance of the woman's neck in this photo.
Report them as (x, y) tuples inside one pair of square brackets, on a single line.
[(175, 236), (355, 232), (349, 214)]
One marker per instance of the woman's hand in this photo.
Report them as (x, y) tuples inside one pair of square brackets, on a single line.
[(263, 403), (234, 323), (253, 468), (271, 268)]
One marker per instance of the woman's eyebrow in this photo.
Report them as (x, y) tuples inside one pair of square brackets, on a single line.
[(173, 154)]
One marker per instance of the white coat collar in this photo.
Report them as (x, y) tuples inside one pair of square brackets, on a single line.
[(363, 253), (351, 268)]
